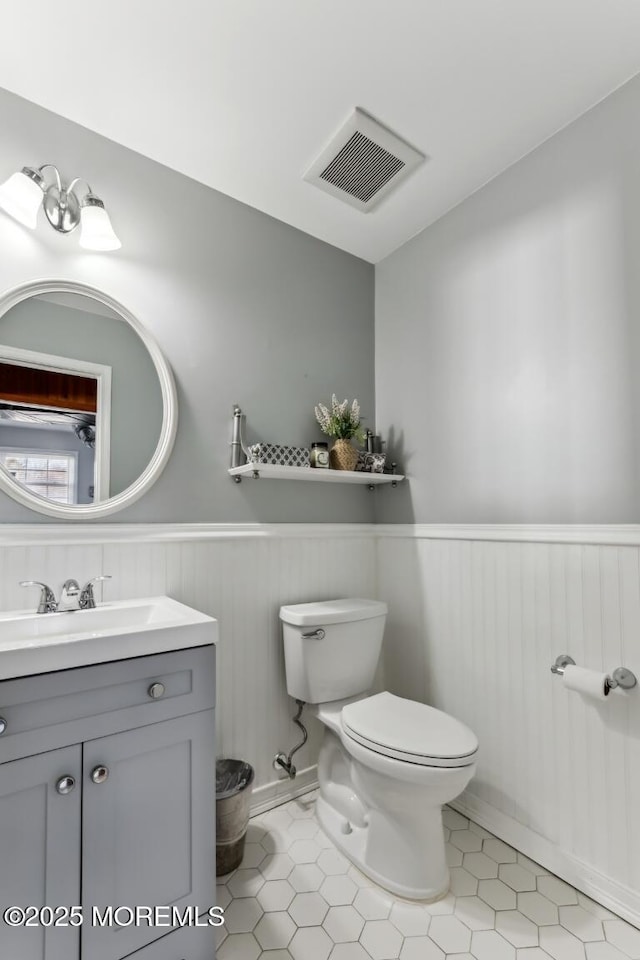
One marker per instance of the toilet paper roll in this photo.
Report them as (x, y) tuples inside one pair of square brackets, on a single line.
[(589, 682)]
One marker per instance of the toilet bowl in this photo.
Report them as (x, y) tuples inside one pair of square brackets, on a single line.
[(386, 765), (385, 811)]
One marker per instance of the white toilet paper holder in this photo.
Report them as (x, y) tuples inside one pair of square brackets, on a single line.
[(621, 677)]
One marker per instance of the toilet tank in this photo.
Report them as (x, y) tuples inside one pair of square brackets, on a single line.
[(342, 662)]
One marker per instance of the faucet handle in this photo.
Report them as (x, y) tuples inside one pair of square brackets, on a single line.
[(48, 602), (87, 599)]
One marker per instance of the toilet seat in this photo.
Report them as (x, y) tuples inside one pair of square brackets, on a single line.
[(409, 731)]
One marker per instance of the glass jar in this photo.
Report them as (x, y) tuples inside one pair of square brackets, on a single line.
[(319, 456)]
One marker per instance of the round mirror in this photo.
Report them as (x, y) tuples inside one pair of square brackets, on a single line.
[(88, 409)]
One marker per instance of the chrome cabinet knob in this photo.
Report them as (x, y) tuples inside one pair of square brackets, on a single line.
[(65, 785), (3, 725), (99, 774), (156, 690)]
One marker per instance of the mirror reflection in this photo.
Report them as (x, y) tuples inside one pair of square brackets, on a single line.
[(48, 428), (80, 400)]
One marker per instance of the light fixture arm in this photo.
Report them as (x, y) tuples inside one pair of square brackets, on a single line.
[(52, 166), (80, 180)]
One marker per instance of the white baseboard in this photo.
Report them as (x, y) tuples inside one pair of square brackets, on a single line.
[(280, 791), (621, 900)]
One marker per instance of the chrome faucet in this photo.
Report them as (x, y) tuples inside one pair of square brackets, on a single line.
[(71, 597)]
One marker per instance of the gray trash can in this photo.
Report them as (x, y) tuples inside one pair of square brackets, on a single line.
[(234, 781)]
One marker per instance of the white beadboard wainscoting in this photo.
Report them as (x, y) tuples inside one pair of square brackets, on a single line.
[(238, 574), (477, 617)]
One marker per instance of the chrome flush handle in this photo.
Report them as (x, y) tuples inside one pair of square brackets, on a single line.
[(318, 634)]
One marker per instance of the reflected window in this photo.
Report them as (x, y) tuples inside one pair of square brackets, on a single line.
[(52, 475)]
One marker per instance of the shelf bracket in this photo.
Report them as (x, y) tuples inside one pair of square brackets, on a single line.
[(238, 453)]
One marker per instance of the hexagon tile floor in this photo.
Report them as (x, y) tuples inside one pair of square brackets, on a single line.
[(295, 897)]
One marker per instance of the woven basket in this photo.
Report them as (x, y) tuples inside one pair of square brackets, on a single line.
[(343, 456)]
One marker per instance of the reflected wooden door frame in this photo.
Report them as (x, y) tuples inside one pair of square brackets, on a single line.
[(83, 368)]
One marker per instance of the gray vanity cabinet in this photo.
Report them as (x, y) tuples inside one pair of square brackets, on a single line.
[(40, 849), (113, 807)]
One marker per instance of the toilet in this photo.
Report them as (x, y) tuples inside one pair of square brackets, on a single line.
[(386, 764)]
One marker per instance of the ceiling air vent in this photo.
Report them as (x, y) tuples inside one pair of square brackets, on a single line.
[(363, 162)]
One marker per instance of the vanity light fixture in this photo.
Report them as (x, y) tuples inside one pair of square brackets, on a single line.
[(24, 192)]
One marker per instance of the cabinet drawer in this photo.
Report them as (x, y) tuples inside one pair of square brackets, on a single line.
[(49, 710)]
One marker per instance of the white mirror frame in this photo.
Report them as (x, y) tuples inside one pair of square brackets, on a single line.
[(169, 410)]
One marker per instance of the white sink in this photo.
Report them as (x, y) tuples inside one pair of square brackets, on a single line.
[(38, 643)]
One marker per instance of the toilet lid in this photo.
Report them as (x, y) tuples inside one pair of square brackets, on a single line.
[(410, 731)]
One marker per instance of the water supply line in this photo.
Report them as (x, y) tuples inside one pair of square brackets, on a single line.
[(282, 761)]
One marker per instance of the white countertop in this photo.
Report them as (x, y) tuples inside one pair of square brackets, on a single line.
[(32, 643)]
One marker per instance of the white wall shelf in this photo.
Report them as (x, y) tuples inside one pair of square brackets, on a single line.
[(269, 471)]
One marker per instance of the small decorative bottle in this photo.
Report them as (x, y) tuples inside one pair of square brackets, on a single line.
[(319, 456)]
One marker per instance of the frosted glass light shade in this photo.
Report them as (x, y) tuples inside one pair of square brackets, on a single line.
[(20, 197), (96, 231)]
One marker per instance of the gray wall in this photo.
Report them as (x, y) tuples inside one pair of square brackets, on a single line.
[(246, 309), (136, 400), (507, 339)]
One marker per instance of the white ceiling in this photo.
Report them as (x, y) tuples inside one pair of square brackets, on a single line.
[(243, 94)]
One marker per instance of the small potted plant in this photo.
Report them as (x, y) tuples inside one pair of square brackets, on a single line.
[(342, 423)]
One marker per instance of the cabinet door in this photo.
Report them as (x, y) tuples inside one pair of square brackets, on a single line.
[(148, 828), (40, 850)]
